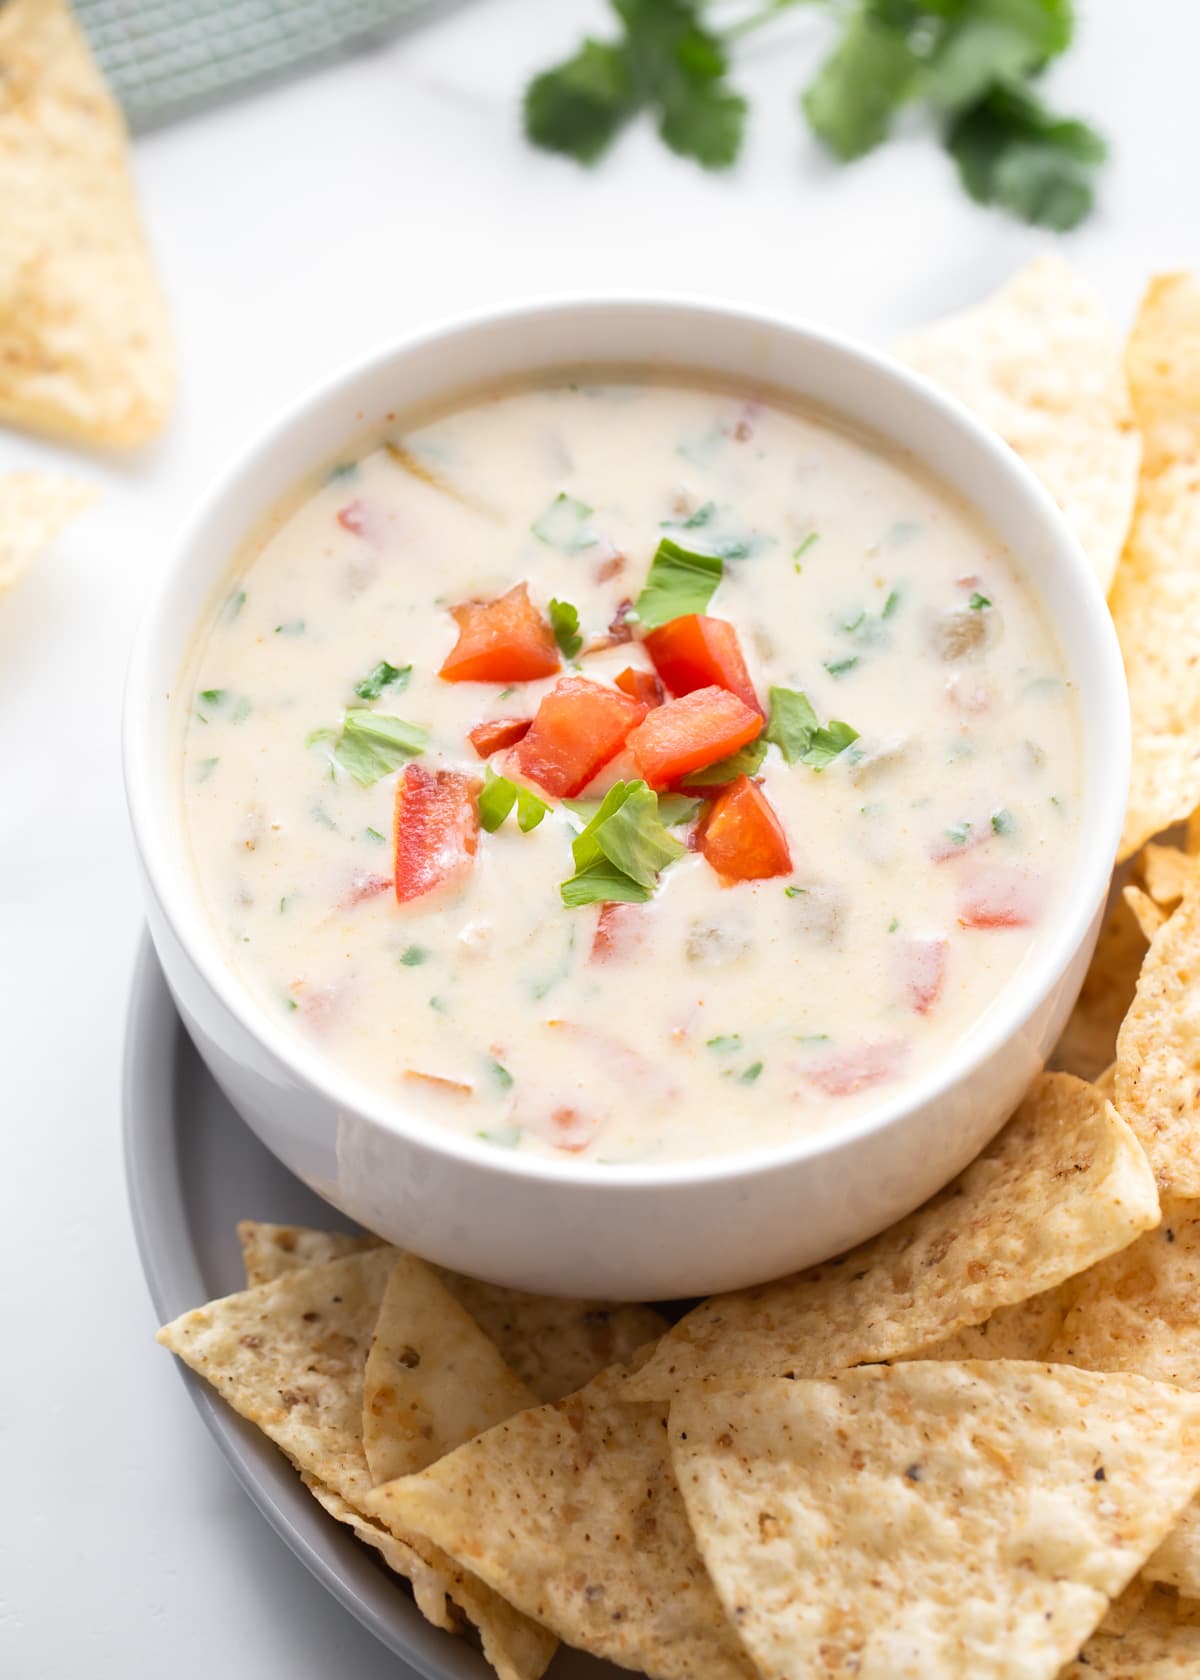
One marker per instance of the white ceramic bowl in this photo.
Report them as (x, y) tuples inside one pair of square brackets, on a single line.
[(652, 1231)]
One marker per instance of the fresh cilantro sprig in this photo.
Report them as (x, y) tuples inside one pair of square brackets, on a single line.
[(680, 581), (972, 64), (372, 744), (621, 851), (795, 729), (564, 621), (497, 798)]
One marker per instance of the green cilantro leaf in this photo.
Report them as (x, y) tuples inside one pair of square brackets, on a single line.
[(674, 809), (372, 744), (862, 84), (564, 621), (497, 798), (978, 602), (828, 743), (681, 581), (564, 525), (1013, 152), (793, 727), (383, 676), (624, 845), (744, 762), (991, 41), (579, 106)]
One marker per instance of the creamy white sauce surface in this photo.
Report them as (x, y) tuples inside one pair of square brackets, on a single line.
[(726, 1017)]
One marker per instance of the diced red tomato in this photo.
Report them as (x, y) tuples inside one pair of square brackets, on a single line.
[(619, 932), (579, 726), (742, 837), (363, 885), (687, 734), (919, 963), (1000, 897), (698, 652), (504, 641), (640, 685), (491, 736), (437, 829), (572, 1129), (842, 1073)]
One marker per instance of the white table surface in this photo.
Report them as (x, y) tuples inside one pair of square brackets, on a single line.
[(295, 230)]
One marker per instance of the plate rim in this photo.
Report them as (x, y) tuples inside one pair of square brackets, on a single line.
[(162, 1232)]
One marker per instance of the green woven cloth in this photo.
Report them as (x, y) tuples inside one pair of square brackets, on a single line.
[(164, 58)]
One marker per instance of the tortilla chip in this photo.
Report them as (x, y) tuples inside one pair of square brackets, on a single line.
[(1177, 1561), (933, 1520), (34, 508), (1168, 872), (1026, 1330), (571, 1512), (554, 1346), (268, 1251), (1041, 363), (1089, 1041), (433, 1379), (1063, 1185), (85, 347), (428, 1584), (1158, 1053), (1158, 1644), (1148, 915), (1105, 1084), (291, 1356), (1155, 597)]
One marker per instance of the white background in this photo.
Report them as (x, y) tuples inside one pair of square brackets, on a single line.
[(295, 230)]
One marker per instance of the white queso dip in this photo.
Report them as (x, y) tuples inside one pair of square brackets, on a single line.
[(628, 771)]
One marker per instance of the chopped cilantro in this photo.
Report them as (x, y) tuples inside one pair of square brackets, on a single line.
[(241, 710), (383, 676), (372, 744), (564, 525), (234, 606), (502, 1076), (291, 627), (724, 1043), (504, 1137), (374, 834), (893, 924), (793, 727), (438, 1003), (414, 956), (344, 469), (839, 667), (1003, 822), (703, 516), (507, 693), (290, 1003), (890, 605), (802, 549), (812, 1038), (978, 602), (321, 816), (564, 621), (674, 809), (282, 905), (205, 769), (213, 696), (744, 762), (750, 1074), (794, 892), (620, 853), (855, 621), (957, 833), (680, 581), (497, 798)]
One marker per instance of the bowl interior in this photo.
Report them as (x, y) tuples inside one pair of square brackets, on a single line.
[(854, 384)]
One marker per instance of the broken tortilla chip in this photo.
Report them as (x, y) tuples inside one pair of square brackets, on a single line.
[(1158, 1053), (932, 1520), (572, 1513), (1155, 597), (34, 508), (1041, 363), (1168, 873), (433, 1379), (1063, 1185), (1176, 1563), (1158, 1644), (1026, 1330), (1089, 1040), (291, 1357), (1149, 915), (84, 344), (554, 1346)]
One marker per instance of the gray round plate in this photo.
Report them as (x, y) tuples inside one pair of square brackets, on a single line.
[(193, 1170)]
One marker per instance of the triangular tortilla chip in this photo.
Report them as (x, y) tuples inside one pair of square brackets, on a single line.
[(291, 1357), (1062, 1186), (433, 1379), (1155, 597), (1089, 1041), (1026, 1330), (571, 1512), (930, 1521), (1041, 363), (553, 1345), (84, 343), (1169, 872), (1158, 1053), (1177, 1560), (34, 508), (1157, 1645)]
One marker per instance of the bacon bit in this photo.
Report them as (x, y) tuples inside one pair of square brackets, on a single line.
[(618, 631), (1001, 897), (610, 567), (363, 886), (573, 1131), (972, 698), (969, 580), (742, 429), (452, 1087), (353, 517), (843, 1073), (919, 961), (619, 932)]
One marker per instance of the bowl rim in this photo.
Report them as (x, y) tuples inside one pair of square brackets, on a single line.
[(167, 878)]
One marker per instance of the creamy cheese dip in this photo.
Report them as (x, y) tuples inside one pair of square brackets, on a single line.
[(915, 852)]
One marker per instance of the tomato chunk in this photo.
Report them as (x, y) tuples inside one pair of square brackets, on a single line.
[(619, 932), (919, 964), (506, 640), (640, 685), (489, 737), (698, 652), (687, 734), (437, 829), (742, 837), (843, 1073), (1001, 897), (579, 726)]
